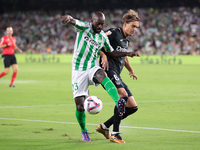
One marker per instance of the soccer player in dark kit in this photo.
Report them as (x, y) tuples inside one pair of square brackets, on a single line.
[(118, 40)]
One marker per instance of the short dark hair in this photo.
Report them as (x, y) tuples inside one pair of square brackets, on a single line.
[(130, 16)]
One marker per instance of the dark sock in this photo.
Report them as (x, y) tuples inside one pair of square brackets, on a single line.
[(109, 122), (129, 111), (116, 120), (125, 98)]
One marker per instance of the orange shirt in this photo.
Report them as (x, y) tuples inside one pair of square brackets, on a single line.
[(9, 50)]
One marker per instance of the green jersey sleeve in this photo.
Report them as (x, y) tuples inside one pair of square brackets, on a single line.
[(81, 25)]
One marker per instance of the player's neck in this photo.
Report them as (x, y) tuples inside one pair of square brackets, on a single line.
[(126, 35)]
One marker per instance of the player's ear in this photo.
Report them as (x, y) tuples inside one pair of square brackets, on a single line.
[(124, 24)]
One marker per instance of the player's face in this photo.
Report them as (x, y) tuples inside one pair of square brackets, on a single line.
[(9, 31), (130, 28), (97, 25)]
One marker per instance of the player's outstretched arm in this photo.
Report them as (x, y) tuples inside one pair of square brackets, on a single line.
[(68, 19), (122, 54), (129, 68), (19, 50)]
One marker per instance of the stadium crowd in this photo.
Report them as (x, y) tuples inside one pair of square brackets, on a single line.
[(168, 31)]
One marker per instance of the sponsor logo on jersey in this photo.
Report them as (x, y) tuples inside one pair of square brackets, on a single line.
[(121, 49), (92, 42)]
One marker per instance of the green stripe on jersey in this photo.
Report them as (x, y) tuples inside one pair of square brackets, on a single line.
[(80, 55), (87, 46), (87, 58)]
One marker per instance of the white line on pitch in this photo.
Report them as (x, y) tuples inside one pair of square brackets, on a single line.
[(153, 101), (130, 127)]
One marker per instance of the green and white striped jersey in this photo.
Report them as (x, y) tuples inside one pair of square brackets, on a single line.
[(87, 46)]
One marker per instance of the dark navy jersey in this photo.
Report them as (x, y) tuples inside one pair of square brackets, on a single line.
[(119, 43)]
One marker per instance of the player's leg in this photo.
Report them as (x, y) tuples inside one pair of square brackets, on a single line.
[(80, 91), (6, 66), (5, 72), (100, 76), (131, 105), (81, 117), (15, 70), (110, 88), (116, 118), (14, 75)]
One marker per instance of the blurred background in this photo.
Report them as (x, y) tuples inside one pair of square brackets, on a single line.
[(167, 27)]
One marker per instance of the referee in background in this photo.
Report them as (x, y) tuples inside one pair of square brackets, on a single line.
[(8, 43)]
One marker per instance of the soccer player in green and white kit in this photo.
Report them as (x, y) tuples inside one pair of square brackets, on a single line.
[(85, 67)]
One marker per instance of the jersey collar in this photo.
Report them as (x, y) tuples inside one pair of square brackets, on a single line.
[(120, 29)]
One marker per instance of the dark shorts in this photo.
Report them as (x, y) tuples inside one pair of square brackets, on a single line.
[(116, 79), (9, 60)]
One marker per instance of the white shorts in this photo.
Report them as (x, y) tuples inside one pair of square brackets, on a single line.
[(81, 80)]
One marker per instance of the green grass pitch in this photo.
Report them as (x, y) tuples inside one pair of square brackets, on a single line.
[(39, 114)]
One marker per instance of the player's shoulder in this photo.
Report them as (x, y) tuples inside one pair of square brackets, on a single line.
[(4, 37), (82, 22), (112, 31)]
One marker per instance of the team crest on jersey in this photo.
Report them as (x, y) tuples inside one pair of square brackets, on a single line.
[(108, 32), (99, 40)]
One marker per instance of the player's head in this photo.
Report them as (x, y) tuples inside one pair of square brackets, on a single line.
[(130, 22), (9, 31), (98, 20)]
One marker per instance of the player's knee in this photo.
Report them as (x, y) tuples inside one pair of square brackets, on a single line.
[(80, 103), (15, 70), (129, 111), (80, 108), (6, 72), (100, 76), (122, 92)]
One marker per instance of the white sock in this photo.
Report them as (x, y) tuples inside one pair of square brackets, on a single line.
[(114, 133), (104, 127)]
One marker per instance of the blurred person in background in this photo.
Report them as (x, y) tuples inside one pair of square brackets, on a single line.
[(8, 43)]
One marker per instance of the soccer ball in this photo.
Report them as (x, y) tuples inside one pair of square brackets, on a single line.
[(93, 105)]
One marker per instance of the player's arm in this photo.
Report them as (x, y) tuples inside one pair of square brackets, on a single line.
[(3, 45), (114, 53), (104, 60), (19, 50), (68, 19), (122, 54), (129, 68)]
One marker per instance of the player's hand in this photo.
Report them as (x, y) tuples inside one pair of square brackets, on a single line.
[(20, 51), (131, 54), (104, 63), (133, 75), (66, 19), (9, 44)]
